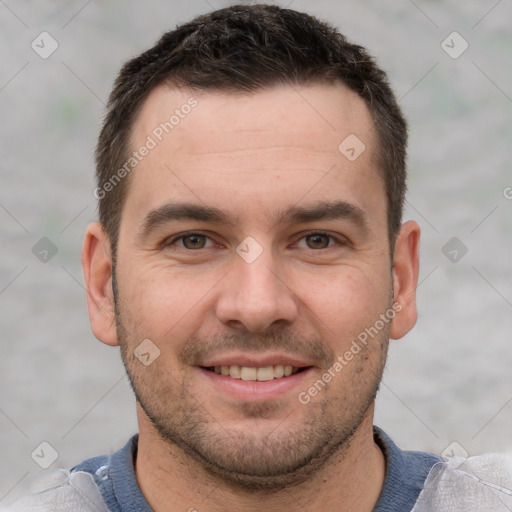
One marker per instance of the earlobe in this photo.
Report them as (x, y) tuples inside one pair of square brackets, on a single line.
[(405, 279), (97, 268)]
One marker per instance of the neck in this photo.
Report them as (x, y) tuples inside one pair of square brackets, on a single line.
[(171, 480)]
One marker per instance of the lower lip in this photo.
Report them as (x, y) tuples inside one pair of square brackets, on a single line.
[(256, 390)]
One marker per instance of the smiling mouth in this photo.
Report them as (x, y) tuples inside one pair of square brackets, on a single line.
[(261, 374)]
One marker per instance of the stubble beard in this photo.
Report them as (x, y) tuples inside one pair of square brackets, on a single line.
[(248, 459)]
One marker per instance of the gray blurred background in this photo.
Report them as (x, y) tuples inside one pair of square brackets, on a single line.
[(449, 380)]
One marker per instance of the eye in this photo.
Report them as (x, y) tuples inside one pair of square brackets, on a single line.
[(194, 241), (320, 240), (189, 241)]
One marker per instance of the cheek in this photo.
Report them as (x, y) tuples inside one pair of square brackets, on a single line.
[(162, 301), (346, 302)]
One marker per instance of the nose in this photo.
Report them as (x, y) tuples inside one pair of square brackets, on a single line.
[(256, 295)]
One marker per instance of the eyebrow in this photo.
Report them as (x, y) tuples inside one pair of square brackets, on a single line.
[(324, 210)]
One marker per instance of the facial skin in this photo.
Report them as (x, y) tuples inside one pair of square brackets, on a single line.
[(254, 156)]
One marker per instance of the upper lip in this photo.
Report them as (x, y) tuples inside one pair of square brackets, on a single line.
[(256, 361)]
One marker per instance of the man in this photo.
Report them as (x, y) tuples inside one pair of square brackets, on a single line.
[(251, 262)]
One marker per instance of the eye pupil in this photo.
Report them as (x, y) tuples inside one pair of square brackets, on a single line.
[(317, 240), (195, 241)]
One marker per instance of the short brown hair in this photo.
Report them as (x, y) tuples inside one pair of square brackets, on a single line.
[(246, 48)]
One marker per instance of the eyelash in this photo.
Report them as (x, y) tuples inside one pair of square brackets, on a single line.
[(181, 236)]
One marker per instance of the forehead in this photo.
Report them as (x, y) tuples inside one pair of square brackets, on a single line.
[(275, 143), (325, 114)]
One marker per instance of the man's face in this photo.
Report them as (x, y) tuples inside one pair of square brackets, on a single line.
[(267, 290)]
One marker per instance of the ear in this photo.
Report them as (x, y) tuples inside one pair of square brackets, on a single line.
[(405, 278), (97, 268)]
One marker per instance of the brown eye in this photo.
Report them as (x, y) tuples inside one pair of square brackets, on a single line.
[(194, 241), (188, 241), (318, 241)]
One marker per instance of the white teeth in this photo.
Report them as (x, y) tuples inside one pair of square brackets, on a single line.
[(278, 371), (260, 374), (248, 373), (266, 373), (235, 371)]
